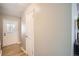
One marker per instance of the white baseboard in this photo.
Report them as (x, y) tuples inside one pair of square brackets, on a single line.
[(18, 42), (11, 44)]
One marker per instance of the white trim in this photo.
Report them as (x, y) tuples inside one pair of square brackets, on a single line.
[(11, 44), (18, 42)]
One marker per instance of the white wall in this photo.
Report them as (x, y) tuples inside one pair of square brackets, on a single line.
[(52, 30), (13, 38)]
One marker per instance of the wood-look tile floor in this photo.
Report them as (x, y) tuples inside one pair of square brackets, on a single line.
[(12, 50)]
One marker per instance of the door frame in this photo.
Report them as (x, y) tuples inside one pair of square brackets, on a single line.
[(30, 9)]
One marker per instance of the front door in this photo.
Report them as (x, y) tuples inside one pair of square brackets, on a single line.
[(10, 32)]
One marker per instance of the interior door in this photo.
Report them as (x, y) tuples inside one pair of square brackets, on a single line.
[(10, 32), (29, 34)]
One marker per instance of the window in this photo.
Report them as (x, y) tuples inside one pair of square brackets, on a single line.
[(10, 28)]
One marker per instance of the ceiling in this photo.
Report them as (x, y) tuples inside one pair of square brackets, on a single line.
[(13, 9)]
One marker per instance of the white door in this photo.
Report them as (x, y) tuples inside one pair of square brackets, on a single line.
[(10, 32), (29, 34)]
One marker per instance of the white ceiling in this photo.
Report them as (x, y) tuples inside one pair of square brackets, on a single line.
[(13, 9)]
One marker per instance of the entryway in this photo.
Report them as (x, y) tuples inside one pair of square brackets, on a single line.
[(16, 30)]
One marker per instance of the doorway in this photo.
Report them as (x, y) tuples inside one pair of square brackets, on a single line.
[(11, 44), (16, 29)]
